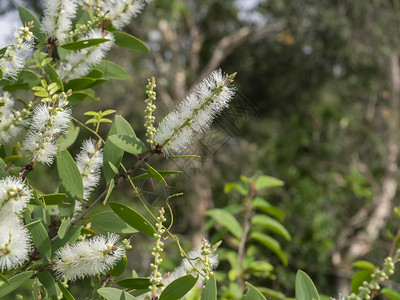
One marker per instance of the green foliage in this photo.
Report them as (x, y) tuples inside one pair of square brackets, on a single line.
[(305, 289), (178, 288)]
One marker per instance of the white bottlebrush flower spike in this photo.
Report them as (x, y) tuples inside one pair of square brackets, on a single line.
[(57, 20), (13, 60), (14, 196), (79, 63), (195, 113), (48, 122), (89, 162), (15, 243), (120, 12), (89, 257), (11, 121)]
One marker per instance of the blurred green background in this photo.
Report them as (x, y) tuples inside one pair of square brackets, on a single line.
[(317, 106)]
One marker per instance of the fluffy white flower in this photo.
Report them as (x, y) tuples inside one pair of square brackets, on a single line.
[(57, 18), (79, 63), (15, 243), (120, 12), (13, 60), (47, 124), (14, 196), (89, 162), (195, 113), (88, 257)]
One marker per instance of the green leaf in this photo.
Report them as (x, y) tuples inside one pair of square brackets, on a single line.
[(40, 237), (210, 290), (119, 267), (114, 168), (130, 144), (26, 17), (25, 80), (111, 153), (263, 205), (153, 172), (138, 283), (133, 218), (67, 295), (109, 221), (69, 175), (16, 281), (49, 284), (178, 288), (4, 279), (109, 191), (110, 293), (54, 199), (391, 293), (266, 182), (68, 138), (227, 220), (79, 84), (83, 44), (112, 70), (363, 264), (240, 186), (55, 77), (271, 244), (253, 293), (63, 227), (271, 224), (163, 173), (305, 289), (95, 73), (129, 42), (358, 278)]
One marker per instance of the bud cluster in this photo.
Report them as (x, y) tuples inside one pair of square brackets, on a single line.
[(151, 94), (208, 265), (379, 275), (156, 278)]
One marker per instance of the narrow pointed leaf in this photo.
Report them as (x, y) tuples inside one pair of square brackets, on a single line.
[(210, 290), (133, 218), (16, 281), (67, 295), (109, 191), (266, 182), (83, 44), (271, 244), (63, 227), (40, 237), (110, 293), (129, 42), (227, 220), (305, 289), (112, 70), (271, 224), (253, 293), (69, 175), (137, 283), (178, 288), (154, 173)]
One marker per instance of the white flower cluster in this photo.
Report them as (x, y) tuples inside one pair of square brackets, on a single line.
[(79, 63), (57, 20), (48, 122), (88, 257), (15, 242), (89, 162), (13, 60), (11, 121), (195, 113), (120, 12)]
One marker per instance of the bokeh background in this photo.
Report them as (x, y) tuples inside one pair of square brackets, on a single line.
[(317, 106)]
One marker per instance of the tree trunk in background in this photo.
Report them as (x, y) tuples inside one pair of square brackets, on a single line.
[(362, 231)]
